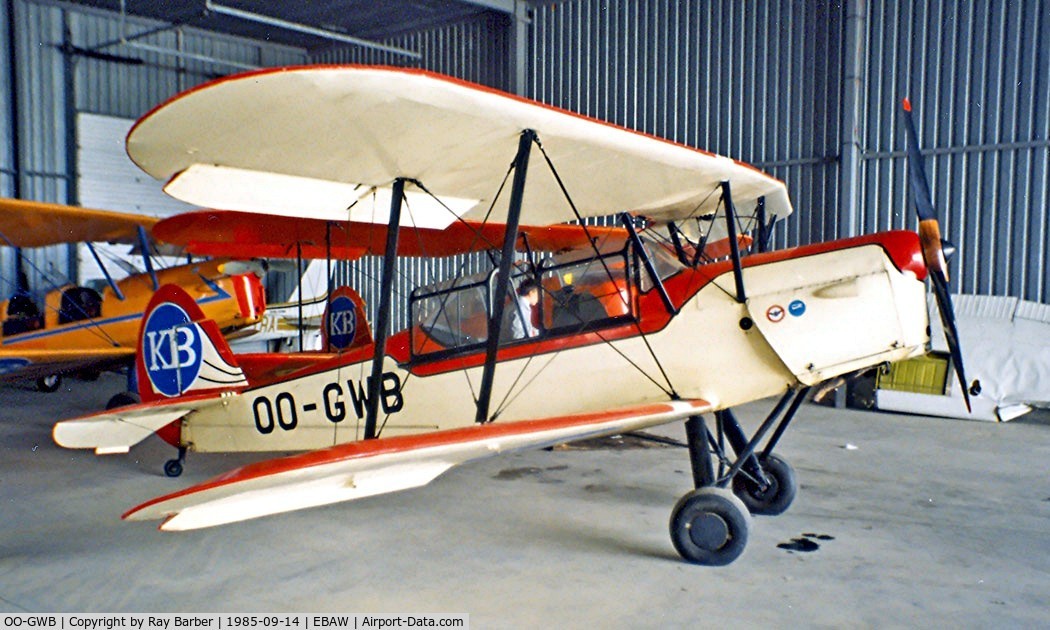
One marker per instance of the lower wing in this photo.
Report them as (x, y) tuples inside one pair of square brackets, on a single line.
[(361, 469), (26, 364)]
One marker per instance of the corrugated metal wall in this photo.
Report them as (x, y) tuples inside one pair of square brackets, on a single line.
[(52, 87), (772, 83), (474, 50), (807, 90), (979, 75), (757, 81)]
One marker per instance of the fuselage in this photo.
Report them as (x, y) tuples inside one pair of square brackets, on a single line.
[(810, 314), (79, 318)]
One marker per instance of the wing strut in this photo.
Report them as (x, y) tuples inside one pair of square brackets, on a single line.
[(144, 244), (510, 237), (383, 317), (105, 272), (734, 246)]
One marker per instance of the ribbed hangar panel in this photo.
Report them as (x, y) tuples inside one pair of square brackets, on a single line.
[(979, 76), (807, 90), (810, 91)]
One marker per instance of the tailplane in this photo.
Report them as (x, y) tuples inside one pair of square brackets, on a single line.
[(181, 351)]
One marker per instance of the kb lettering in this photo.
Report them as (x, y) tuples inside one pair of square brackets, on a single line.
[(178, 355), (342, 323)]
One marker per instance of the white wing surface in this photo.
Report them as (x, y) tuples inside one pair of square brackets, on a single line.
[(333, 134), (362, 469)]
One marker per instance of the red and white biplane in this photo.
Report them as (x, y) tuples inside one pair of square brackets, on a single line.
[(572, 332)]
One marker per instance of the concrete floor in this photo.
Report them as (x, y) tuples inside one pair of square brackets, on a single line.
[(932, 522)]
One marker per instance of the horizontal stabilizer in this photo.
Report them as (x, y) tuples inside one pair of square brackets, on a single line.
[(116, 431), (362, 469)]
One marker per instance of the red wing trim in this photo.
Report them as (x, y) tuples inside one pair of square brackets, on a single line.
[(402, 444)]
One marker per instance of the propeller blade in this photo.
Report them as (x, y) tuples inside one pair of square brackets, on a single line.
[(929, 227), (933, 248), (951, 333)]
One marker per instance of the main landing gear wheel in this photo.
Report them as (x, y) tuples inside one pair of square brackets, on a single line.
[(49, 384), (710, 526), (779, 492)]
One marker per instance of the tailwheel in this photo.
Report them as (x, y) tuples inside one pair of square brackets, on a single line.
[(49, 384), (769, 493), (710, 526), (173, 467), (123, 399)]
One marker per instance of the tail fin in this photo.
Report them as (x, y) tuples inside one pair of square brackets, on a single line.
[(345, 325), (181, 351)]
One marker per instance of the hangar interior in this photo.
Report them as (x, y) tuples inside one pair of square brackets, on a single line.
[(807, 91), (920, 522)]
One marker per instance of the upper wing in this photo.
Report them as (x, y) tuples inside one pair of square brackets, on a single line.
[(335, 133), (247, 235), (36, 224), (361, 469), (26, 364)]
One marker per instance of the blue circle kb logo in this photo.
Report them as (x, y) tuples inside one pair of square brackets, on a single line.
[(171, 350), (342, 322)]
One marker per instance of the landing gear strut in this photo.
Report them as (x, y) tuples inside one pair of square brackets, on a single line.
[(710, 525)]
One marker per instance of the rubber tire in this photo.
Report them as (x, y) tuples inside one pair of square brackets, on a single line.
[(780, 494), (717, 509), (173, 468), (123, 399), (49, 384)]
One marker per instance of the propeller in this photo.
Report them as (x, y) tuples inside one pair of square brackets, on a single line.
[(933, 248)]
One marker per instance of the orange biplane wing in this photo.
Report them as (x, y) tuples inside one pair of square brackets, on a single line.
[(246, 235), (36, 224)]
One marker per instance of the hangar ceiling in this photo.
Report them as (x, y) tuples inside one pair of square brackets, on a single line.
[(307, 25)]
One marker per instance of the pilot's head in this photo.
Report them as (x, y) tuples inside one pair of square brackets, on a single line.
[(529, 290)]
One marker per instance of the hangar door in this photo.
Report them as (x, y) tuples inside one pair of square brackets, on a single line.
[(107, 179)]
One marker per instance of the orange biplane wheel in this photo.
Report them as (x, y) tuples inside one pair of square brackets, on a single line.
[(48, 384), (778, 494), (710, 526)]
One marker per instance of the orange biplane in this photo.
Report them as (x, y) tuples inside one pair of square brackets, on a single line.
[(77, 329), (569, 332)]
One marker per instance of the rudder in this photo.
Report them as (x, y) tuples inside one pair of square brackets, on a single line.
[(181, 351), (345, 325)]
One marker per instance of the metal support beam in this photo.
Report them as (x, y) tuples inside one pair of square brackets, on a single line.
[(69, 116), (519, 47), (517, 192), (734, 246), (375, 382), (308, 30), (855, 54)]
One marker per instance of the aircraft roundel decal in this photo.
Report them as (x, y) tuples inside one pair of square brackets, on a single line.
[(172, 349), (775, 313), (342, 322), (797, 308)]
